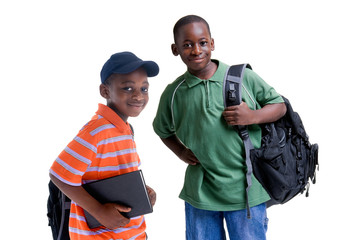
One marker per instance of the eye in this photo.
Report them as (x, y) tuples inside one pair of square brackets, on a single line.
[(187, 45), (203, 43), (128, 89), (145, 89)]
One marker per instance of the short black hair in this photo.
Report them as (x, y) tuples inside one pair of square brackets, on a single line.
[(187, 20), (109, 79)]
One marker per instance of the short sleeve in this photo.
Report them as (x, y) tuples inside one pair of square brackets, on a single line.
[(264, 94), (163, 124), (73, 161)]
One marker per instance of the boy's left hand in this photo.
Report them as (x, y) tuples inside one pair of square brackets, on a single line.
[(152, 195), (243, 115), (239, 115)]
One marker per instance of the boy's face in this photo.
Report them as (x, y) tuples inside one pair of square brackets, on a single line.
[(127, 94), (194, 44)]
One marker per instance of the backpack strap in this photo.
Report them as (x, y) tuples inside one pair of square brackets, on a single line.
[(233, 83), (66, 207), (232, 96)]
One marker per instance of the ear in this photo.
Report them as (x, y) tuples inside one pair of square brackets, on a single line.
[(104, 91), (174, 49), (212, 44)]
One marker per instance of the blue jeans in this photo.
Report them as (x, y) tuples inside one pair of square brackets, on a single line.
[(209, 225)]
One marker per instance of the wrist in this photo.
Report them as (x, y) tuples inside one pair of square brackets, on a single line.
[(180, 151), (256, 117)]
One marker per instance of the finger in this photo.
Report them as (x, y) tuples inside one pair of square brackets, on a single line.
[(232, 123), (194, 161), (191, 162), (193, 158), (229, 113), (152, 196), (229, 120), (231, 108), (228, 117), (151, 192), (121, 208)]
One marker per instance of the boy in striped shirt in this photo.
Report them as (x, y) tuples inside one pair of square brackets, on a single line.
[(104, 148)]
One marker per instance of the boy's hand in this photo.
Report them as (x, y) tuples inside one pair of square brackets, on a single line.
[(110, 217), (188, 157), (243, 115), (239, 115), (180, 150), (107, 214), (152, 195)]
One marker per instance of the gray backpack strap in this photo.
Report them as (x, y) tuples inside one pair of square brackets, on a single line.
[(232, 96), (233, 83), (244, 135), (63, 228)]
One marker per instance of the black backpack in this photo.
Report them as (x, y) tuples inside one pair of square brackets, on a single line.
[(286, 161), (58, 207)]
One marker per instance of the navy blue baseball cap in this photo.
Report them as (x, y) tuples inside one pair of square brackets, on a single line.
[(127, 62)]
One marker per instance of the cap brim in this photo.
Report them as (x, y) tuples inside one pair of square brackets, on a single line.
[(151, 68)]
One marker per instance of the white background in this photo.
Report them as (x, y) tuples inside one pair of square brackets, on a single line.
[(51, 53)]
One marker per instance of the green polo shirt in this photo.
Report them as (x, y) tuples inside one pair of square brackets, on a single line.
[(191, 109)]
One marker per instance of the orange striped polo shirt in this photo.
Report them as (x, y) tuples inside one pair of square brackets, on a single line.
[(103, 148)]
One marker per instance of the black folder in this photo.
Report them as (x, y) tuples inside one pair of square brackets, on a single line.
[(127, 189)]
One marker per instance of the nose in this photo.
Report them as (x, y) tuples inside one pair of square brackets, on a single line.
[(137, 95), (196, 49)]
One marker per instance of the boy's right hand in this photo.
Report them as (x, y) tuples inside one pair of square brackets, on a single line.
[(184, 153), (188, 157), (110, 217), (107, 214)]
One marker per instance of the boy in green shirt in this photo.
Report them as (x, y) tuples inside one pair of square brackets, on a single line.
[(192, 122)]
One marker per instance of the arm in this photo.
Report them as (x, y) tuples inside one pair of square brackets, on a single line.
[(243, 115), (107, 214), (180, 150)]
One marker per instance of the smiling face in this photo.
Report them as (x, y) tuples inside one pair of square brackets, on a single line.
[(194, 44), (126, 94)]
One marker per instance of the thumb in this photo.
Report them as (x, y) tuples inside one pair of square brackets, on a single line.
[(122, 208)]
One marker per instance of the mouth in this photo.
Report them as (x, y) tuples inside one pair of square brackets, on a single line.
[(136, 105), (196, 60)]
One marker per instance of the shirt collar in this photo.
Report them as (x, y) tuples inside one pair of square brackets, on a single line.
[(192, 80), (112, 117)]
